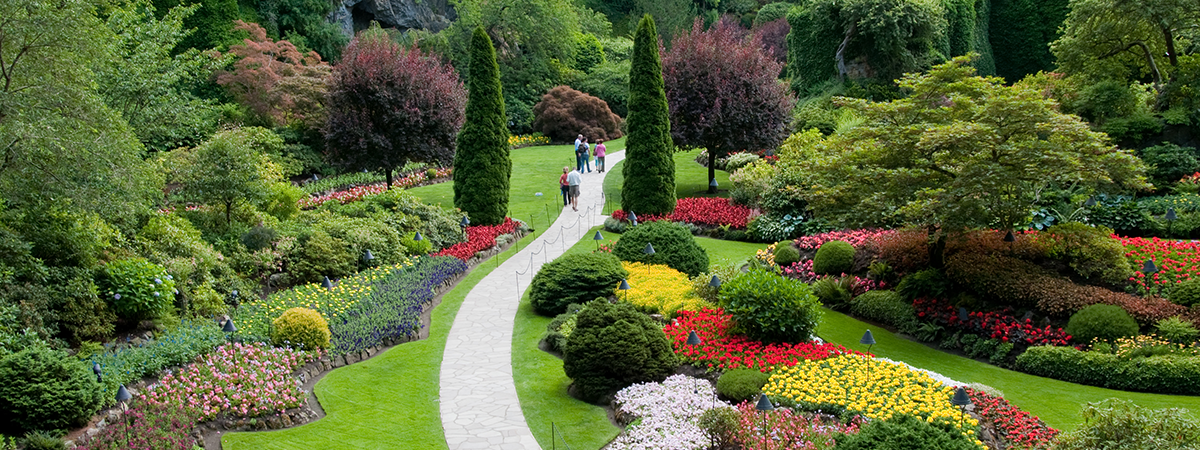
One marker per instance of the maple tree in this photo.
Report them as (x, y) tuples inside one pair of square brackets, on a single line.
[(281, 85)]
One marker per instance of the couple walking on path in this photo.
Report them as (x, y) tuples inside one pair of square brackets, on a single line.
[(583, 160), (571, 179)]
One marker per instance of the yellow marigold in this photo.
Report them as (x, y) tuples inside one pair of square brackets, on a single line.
[(659, 289)]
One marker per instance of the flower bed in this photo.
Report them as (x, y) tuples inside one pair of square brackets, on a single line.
[(699, 211), (479, 238), (358, 192), (243, 380), (147, 427), (1177, 261), (991, 325), (526, 140), (856, 238), (1016, 426), (863, 385), (177, 347), (656, 288), (789, 430), (721, 350), (803, 271), (664, 414)]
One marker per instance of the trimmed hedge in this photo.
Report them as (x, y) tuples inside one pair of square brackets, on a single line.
[(300, 327), (886, 307), (1106, 322), (613, 346), (742, 384), (673, 244), (1165, 374), (834, 257), (576, 278)]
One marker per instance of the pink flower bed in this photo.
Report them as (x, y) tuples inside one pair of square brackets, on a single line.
[(722, 350), (479, 238), (357, 193), (803, 271), (699, 211), (244, 380), (854, 237)]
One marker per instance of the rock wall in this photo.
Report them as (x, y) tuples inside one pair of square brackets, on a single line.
[(432, 15)]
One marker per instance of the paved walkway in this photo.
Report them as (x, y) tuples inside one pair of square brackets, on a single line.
[(479, 404)]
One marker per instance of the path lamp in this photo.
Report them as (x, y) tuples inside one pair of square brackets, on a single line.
[(712, 186), (1009, 237), (1149, 267), (464, 222), (764, 405), (1170, 217), (624, 287), (694, 340), (122, 397), (326, 283), (649, 251), (1091, 201), (418, 237), (633, 218), (598, 237), (368, 257), (868, 339), (962, 401), (229, 328), (98, 371)]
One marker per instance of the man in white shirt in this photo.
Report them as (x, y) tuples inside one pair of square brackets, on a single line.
[(573, 181)]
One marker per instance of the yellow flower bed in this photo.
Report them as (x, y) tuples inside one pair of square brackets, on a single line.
[(660, 289), (766, 256), (888, 390)]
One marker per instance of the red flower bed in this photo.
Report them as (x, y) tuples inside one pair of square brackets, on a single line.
[(721, 350), (992, 325), (1018, 427), (479, 238), (357, 193), (1177, 261), (855, 237), (699, 211)]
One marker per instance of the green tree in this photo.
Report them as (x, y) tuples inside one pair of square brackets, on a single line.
[(482, 166), (233, 167), (304, 23), (1019, 31), (212, 22), (961, 151), (649, 186), (1127, 40), (58, 141)]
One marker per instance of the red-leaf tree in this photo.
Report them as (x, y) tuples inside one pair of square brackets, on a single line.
[(275, 81), (724, 92), (388, 105), (565, 113)]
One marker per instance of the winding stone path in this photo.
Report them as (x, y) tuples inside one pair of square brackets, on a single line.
[(479, 404)]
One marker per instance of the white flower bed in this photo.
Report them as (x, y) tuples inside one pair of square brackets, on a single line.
[(668, 412)]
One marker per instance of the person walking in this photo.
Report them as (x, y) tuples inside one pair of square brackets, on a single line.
[(573, 180), (587, 157), (579, 142), (599, 152), (562, 182)]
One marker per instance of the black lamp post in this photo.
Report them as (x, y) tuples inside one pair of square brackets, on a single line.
[(633, 218), (693, 340), (1149, 267), (868, 339), (712, 185), (624, 287), (98, 371), (1170, 217), (961, 400), (122, 397), (598, 237), (715, 282), (464, 222), (326, 283), (229, 326), (649, 251), (764, 405), (1008, 237)]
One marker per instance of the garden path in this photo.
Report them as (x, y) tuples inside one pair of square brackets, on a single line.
[(479, 405)]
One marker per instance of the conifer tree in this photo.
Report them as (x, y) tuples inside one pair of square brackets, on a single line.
[(649, 186), (482, 166)]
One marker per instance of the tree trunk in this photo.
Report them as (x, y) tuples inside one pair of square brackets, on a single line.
[(840, 56), (388, 175), (228, 213), (1169, 38), (712, 171), (937, 248)]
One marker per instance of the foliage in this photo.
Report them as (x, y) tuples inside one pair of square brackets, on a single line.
[(609, 82), (1116, 423), (886, 307), (664, 415), (998, 325), (1090, 251), (1020, 31), (1107, 39), (649, 170), (302, 328), (614, 346), (42, 440), (320, 255), (574, 278), (232, 167), (138, 289), (44, 389), (1165, 374), (786, 255), (976, 166), (279, 84), (388, 105), (674, 246), (565, 113), (125, 365), (658, 289), (1167, 163), (724, 92), (157, 428), (305, 23), (771, 308), (740, 385), (1186, 293), (1177, 331), (904, 431), (835, 293), (480, 238), (708, 293), (482, 183), (559, 329), (1013, 424), (1106, 322), (833, 257)]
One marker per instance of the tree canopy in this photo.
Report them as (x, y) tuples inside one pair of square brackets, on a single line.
[(233, 167), (1127, 40), (278, 83), (482, 164)]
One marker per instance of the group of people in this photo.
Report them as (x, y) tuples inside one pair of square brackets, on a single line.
[(570, 179)]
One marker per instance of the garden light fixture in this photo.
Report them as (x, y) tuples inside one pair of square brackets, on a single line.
[(1091, 201), (633, 217), (418, 237), (1170, 214), (598, 237), (1149, 267), (229, 326), (1009, 237), (368, 257), (962, 401), (464, 222), (326, 283), (693, 338), (624, 287), (123, 394), (764, 405), (98, 371), (715, 282)]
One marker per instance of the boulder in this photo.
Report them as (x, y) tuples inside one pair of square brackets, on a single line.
[(432, 15)]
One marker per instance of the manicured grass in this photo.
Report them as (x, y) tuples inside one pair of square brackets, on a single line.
[(535, 169), (728, 253), (691, 180), (1056, 402), (390, 401)]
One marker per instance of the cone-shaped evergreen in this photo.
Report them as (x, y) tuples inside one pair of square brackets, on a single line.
[(482, 166), (649, 171)]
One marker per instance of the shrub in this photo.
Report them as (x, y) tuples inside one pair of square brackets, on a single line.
[(415, 247), (903, 432), (574, 278), (564, 113), (739, 160), (709, 293), (613, 346), (1177, 330), (885, 307), (179, 346), (559, 329), (1186, 293), (834, 292), (83, 316), (320, 255), (771, 308), (300, 327), (206, 302), (1165, 374), (905, 250), (1121, 424), (42, 440), (741, 385), (720, 424), (1105, 322), (137, 289), (673, 245), (1090, 251), (44, 389), (786, 254), (926, 283), (833, 257)]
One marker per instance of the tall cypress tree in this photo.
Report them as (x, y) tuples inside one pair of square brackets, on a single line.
[(649, 170), (482, 166)]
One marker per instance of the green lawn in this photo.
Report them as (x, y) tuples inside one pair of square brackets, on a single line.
[(691, 180)]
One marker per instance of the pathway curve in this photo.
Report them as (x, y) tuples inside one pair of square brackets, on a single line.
[(479, 404)]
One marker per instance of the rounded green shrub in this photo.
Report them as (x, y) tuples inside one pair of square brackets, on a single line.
[(834, 257), (301, 328), (1090, 252), (1186, 293), (44, 389), (740, 385), (1177, 330), (885, 307), (613, 346), (1106, 322), (575, 278), (904, 432), (319, 256), (43, 440), (834, 292), (673, 245), (415, 247), (786, 254), (771, 308), (137, 289)]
